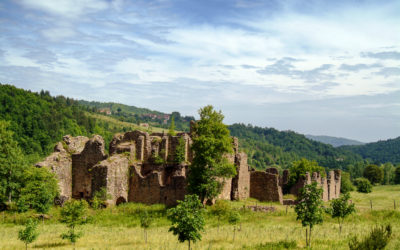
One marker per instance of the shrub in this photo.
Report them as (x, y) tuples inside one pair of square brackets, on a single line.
[(301, 167), (377, 239), (363, 185), (100, 198), (29, 233)]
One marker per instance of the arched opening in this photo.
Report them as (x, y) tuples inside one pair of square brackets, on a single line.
[(120, 200)]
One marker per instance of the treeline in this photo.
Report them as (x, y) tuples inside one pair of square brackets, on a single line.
[(39, 120), (137, 115), (378, 152), (268, 146)]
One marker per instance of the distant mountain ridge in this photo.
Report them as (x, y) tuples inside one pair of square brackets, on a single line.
[(334, 141)]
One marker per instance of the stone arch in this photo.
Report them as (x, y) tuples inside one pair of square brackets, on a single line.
[(120, 200)]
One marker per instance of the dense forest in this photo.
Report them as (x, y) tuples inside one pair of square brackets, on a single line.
[(379, 152), (268, 146)]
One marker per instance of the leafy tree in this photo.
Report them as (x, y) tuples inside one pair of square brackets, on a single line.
[(388, 173), (187, 219), (377, 239), (397, 175), (145, 222), (346, 185), (301, 167), (374, 174), (211, 141), (12, 164), (363, 185), (233, 219), (39, 190), (73, 214), (309, 208), (29, 234), (171, 130), (341, 208)]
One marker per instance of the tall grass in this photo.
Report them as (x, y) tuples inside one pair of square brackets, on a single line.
[(118, 227)]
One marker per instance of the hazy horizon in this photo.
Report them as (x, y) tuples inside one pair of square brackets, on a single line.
[(314, 67)]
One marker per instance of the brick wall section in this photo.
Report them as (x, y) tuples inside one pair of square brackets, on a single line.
[(265, 186), (338, 180), (331, 185), (324, 184), (82, 164)]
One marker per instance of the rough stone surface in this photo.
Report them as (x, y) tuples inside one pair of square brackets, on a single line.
[(265, 186), (82, 163), (241, 182)]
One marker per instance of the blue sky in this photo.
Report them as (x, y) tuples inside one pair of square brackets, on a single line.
[(315, 67)]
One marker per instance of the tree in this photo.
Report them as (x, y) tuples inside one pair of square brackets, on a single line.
[(374, 174), (39, 190), (233, 219), (171, 130), (301, 167), (187, 219), (397, 175), (363, 185), (29, 234), (345, 184), (309, 208), (388, 173), (145, 222), (341, 208), (211, 141), (12, 165), (180, 151), (73, 214)]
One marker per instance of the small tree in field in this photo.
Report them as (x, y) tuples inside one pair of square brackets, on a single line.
[(187, 219), (73, 214), (29, 234), (220, 209), (341, 208), (233, 219), (145, 222), (309, 209)]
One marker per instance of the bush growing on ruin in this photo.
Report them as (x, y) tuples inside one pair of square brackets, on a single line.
[(100, 198), (211, 141), (29, 234), (180, 151), (377, 239), (187, 219), (363, 185), (341, 208), (73, 214), (301, 167), (374, 174), (346, 186), (145, 222), (309, 208), (171, 130)]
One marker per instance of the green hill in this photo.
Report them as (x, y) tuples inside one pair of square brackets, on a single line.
[(379, 152), (268, 146), (334, 141)]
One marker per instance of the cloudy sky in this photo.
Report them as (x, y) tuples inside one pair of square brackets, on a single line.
[(315, 67)]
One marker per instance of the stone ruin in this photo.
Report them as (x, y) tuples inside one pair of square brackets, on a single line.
[(141, 167), (268, 185)]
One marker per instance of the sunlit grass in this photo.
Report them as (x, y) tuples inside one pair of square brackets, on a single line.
[(118, 227)]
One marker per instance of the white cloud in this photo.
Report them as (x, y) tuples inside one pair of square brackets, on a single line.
[(66, 8)]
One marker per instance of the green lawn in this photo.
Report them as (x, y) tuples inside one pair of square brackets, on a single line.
[(118, 227)]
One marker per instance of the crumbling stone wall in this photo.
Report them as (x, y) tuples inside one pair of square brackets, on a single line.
[(113, 175), (82, 163), (60, 162), (264, 186), (241, 182)]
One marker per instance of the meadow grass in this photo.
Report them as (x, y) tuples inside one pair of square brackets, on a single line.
[(118, 227)]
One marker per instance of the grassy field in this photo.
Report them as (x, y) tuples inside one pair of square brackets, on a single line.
[(118, 227)]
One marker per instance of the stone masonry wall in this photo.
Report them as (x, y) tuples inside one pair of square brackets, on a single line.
[(264, 186), (241, 182)]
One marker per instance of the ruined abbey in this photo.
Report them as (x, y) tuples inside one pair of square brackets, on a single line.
[(141, 167)]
